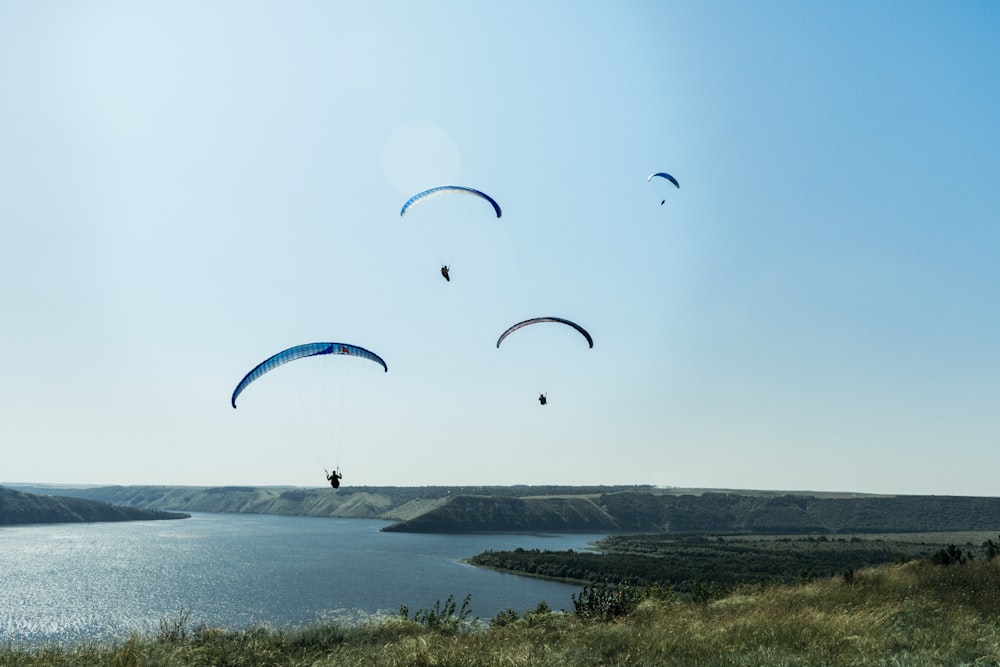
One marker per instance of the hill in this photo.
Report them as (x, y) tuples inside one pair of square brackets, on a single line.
[(19, 507), (601, 509), (800, 513), (472, 514)]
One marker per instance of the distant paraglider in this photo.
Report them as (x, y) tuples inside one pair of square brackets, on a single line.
[(299, 352), (663, 174), (444, 272), (448, 189), (537, 320), (543, 398)]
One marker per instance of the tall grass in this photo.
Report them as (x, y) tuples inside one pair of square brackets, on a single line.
[(911, 614)]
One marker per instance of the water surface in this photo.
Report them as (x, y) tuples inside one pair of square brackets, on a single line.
[(69, 582)]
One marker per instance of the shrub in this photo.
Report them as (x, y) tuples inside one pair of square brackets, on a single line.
[(950, 555), (540, 616), (603, 603), (659, 593), (992, 549), (442, 618), (175, 630), (504, 618)]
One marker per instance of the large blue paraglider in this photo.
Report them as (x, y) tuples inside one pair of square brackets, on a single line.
[(299, 352)]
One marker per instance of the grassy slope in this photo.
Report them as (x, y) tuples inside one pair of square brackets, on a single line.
[(913, 614)]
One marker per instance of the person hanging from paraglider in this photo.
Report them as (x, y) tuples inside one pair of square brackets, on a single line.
[(334, 477), (444, 272), (665, 175), (543, 399)]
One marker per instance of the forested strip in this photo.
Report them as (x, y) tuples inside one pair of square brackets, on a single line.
[(686, 561)]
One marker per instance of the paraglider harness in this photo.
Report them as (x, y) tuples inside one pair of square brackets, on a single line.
[(543, 399), (334, 477), (444, 272)]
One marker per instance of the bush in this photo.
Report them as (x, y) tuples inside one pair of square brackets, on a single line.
[(540, 614), (950, 555), (603, 603), (659, 593), (442, 617), (991, 549), (504, 618), (175, 630), (703, 593)]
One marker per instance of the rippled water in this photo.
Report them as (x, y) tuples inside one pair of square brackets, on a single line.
[(100, 581)]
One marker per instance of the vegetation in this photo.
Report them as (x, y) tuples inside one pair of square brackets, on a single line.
[(442, 618), (691, 563), (915, 613)]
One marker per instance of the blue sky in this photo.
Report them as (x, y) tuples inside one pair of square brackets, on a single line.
[(187, 188)]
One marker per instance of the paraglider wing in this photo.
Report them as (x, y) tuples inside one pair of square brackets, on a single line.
[(300, 351), (663, 174), (446, 189), (536, 320)]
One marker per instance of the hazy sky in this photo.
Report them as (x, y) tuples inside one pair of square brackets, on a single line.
[(189, 187)]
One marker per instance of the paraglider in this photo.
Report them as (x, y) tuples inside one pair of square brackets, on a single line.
[(443, 190), (537, 320), (543, 398), (447, 189), (663, 174), (299, 352)]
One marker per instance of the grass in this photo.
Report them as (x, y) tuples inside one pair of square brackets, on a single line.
[(914, 614)]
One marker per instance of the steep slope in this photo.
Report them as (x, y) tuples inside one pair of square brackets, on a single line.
[(466, 514), (18, 508)]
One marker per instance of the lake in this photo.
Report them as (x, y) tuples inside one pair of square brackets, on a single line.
[(101, 581)]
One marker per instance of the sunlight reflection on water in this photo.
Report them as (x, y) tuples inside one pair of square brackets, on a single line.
[(102, 581)]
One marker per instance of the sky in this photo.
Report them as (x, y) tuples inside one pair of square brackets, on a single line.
[(187, 188)]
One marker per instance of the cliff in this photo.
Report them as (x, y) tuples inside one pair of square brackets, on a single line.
[(241, 500), (801, 513), (470, 514)]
